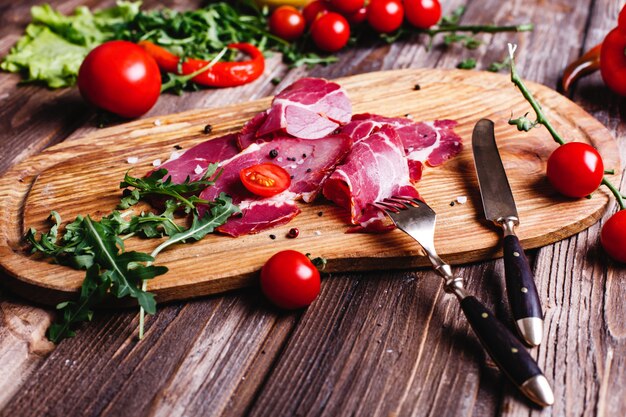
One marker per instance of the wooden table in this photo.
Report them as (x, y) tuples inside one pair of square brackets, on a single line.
[(384, 344)]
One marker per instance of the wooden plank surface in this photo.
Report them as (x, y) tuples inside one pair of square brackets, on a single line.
[(233, 355), (70, 179)]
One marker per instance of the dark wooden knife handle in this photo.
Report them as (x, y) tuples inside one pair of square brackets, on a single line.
[(520, 283), (504, 348)]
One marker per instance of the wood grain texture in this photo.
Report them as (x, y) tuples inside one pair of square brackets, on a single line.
[(331, 349), (82, 177)]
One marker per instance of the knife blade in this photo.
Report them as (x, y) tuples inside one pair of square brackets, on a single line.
[(499, 207)]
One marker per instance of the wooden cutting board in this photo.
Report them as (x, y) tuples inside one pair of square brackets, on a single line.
[(82, 177)]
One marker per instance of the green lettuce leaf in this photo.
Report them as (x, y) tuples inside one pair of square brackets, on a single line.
[(55, 45)]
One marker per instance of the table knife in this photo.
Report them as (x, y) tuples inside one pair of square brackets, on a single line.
[(499, 207)]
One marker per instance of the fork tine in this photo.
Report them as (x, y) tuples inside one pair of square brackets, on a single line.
[(405, 203), (386, 207)]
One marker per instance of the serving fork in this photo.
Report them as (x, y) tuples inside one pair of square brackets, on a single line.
[(417, 219)]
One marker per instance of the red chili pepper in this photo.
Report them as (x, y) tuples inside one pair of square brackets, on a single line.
[(609, 57), (222, 74), (585, 65)]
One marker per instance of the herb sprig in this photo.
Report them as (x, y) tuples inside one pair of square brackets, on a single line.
[(98, 246)]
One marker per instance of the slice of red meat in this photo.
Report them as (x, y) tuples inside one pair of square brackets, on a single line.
[(310, 108), (376, 168), (308, 162), (248, 134), (424, 142), (194, 162)]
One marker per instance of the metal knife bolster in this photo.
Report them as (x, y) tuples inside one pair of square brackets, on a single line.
[(508, 224)]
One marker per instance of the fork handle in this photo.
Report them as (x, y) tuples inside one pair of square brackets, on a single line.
[(507, 352)]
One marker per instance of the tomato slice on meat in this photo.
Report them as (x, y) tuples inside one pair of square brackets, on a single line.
[(266, 179)]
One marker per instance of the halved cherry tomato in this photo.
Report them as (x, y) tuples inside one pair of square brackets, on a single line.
[(314, 10), (290, 280), (265, 179), (330, 32), (287, 22), (422, 13), (575, 169), (613, 236), (385, 16), (346, 7)]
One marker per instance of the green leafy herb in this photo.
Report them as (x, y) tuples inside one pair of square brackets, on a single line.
[(498, 66), (158, 183), (98, 246), (467, 64), (55, 45)]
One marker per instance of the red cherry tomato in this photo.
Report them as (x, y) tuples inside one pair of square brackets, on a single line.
[(621, 21), (265, 180), (358, 17), (613, 61), (385, 16), (120, 77), (575, 169), (287, 22), (290, 280), (613, 236), (346, 7), (330, 32), (422, 13), (314, 10)]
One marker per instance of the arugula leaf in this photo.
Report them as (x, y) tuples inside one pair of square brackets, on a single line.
[(221, 209), (92, 291), (158, 183), (467, 64), (499, 65), (124, 270)]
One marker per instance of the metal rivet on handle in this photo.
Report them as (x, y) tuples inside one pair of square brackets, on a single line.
[(516, 254), (524, 290), (484, 315)]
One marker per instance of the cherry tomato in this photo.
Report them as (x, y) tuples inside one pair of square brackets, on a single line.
[(265, 180), (621, 21), (575, 169), (346, 7), (287, 22), (422, 13), (613, 236), (120, 77), (613, 61), (385, 16), (330, 32), (358, 17), (290, 280), (314, 10)]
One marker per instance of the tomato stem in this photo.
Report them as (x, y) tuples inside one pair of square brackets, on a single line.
[(543, 120), (526, 27), (616, 193)]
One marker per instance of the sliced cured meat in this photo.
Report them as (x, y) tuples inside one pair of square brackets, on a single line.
[(424, 142), (376, 168), (248, 134), (193, 163), (258, 216), (308, 162), (310, 108)]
